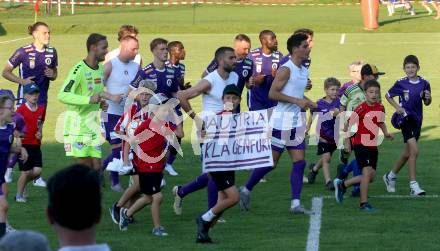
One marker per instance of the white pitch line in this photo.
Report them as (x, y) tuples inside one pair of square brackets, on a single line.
[(13, 40), (342, 41), (315, 225), (394, 196)]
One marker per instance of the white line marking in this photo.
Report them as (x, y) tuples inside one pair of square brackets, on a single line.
[(13, 40), (315, 225), (394, 196), (342, 41)]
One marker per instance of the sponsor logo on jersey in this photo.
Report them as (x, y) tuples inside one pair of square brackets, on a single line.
[(258, 68), (247, 67), (88, 75), (32, 63), (274, 65), (29, 50), (50, 50), (406, 95), (97, 81), (170, 70), (169, 82), (48, 61), (245, 73), (49, 55)]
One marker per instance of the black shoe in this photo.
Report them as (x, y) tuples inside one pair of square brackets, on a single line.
[(330, 186), (312, 176), (131, 220), (114, 213), (203, 231), (340, 172)]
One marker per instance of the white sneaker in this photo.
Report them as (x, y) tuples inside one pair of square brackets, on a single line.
[(177, 205), (8, 175), (263, 180), (117, 188), (389, 183), (415, 190), (10, 229), (20, 199), (163, 183), (39, 182), (169, 168)]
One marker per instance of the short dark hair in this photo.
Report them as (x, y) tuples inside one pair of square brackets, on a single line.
[(174, 44), (371, 83), (157, 41), (126, 30), (242, 37), (94, 39), (304, 31), (295, 41), (411, 59), (220, 52), (264, 33), (75, 197), (331, 81), (34, 27)]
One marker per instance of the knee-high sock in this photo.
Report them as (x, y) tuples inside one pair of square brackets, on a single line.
[(12, 160), (212, 193), (115, 154), (171, 159), (350, 167), (256, 176), (296, 178), (197, 184)]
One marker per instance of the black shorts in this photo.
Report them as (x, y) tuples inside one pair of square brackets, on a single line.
[(150, 182), (35, 158), (326, 148), (410, 129), (223, 180), (366, 156)]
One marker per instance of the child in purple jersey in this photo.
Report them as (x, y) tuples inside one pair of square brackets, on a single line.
[(266, 61), (37, 63), (327, 110), (413, 91), (6, 147), (19, 130)]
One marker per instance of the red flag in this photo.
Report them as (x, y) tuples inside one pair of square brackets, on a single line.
[(36, 7)]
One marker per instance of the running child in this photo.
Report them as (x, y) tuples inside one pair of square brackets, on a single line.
[(33, 115), (413, 91), (370, 116), (327, 110)]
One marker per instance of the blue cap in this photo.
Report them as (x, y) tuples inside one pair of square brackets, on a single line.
[(30, 88)]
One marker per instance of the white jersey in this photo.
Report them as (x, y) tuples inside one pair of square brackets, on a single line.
[(119, 81), (114, 53), (287, 116), (212, 101)]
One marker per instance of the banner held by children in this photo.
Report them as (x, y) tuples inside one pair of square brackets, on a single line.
[(236, 142)]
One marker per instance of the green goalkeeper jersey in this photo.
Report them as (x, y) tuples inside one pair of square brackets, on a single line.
[(82, 118)]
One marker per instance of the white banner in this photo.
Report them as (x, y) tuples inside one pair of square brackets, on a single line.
[(236, 142)]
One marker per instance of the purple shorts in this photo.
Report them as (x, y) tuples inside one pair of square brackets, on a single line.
[(293, 139), (109, 127)]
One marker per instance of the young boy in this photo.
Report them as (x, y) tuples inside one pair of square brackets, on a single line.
[(6, 147), (369, 116), (125, 127), (413, 91), (327, 110), (33, 115), (150, 142), (228, 195)]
